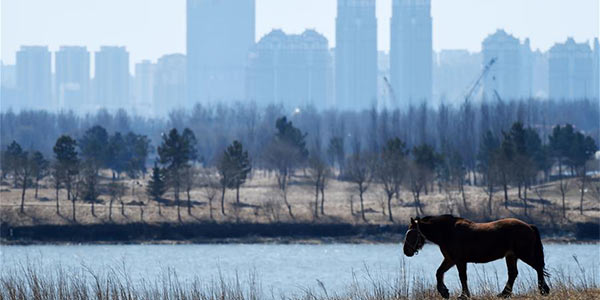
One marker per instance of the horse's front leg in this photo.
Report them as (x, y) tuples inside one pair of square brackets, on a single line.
[(462, 274), (439, 275)]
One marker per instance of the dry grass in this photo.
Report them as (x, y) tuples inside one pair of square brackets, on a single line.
[(28, 282), (262, 203)]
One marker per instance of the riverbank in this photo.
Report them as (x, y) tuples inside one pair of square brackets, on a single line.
[(212, 232)]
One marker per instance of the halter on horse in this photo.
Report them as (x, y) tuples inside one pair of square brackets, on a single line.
[(417, 244)]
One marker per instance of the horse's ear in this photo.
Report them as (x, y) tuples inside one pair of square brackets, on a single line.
[(412, 221)]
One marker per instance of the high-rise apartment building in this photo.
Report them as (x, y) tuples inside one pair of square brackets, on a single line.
[(539, 77), (510, 76), (596, 69), (356, 54), (385, 96), (8, 88), (34, 77), (411, 51), (170, 83), (143, 86), (219, 37), (72, 65), (111, 78), (8, 75), (571, 71), (291, 69)]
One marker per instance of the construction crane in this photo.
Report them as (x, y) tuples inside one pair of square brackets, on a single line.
[(477, 84), (390, 89)]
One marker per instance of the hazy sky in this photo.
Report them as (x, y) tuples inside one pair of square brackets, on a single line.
[(151, 28)]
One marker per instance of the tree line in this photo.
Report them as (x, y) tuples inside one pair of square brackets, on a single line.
[(76, 165), (218, 124), (516, 157)]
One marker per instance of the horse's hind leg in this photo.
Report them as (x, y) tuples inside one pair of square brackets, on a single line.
[(511, 264), (462, 274), (539, 268)]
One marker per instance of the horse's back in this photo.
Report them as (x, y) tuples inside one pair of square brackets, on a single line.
[(484, 242)]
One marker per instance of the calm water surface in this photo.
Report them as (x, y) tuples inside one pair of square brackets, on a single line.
[(292, 269)]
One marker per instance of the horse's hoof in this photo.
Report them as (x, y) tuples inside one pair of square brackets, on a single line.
[(444, 292), (463, 297), (504, 295), (544, 289)]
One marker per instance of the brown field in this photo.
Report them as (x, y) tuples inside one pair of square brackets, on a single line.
[(262, 202)]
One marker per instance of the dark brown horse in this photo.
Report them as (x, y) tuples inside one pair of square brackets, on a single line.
[(462, 241)]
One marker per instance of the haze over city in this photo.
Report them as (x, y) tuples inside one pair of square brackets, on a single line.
[(138, 24)]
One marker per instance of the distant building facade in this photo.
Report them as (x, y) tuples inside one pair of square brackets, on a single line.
[(454, 73), (291, 69), (510, 76), (539, 77), (170, 83), (597, 68), (34, 78), (111, 78), (8, 87), (8, 75), (411, 51), (385, 97), (219, 37), (356, 54), (72, 83), (143, 86), (571, 71)]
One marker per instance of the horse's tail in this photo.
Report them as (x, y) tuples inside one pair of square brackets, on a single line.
[(539, 251)]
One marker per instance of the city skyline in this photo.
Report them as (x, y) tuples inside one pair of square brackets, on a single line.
[(21, 26), (223, 62)]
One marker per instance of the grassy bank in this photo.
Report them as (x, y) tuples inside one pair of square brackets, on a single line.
[(261, 217), (261, 202), (27, 282)]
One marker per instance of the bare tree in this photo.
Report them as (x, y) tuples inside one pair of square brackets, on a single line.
[(492, 177), (210, 187), (324, 181), (421, 172), (24, 172), (56, 174), (280, 158), (40, 169), (391, 168), (318, 171), (417, 179), (360, 170), (190, 174), (116, 190)]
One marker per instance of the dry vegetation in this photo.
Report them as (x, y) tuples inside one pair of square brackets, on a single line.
[(262, 202), (31, 283)]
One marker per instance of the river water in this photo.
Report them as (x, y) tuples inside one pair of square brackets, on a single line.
[(294, 269)]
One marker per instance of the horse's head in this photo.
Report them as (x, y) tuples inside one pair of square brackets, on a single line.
[(414, 238)]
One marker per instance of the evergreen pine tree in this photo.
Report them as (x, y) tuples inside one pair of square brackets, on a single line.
[(156, 186)]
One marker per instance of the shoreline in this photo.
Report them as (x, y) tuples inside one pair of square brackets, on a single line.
[(243, 233), (256, 241)]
